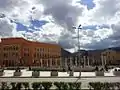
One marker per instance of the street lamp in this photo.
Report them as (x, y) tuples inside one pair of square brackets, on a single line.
[(78, 28)]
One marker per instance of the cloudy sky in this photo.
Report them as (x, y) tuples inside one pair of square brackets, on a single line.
[(53, 20)]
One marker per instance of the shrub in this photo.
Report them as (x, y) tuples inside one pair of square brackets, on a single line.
[(13, 84), (64, 86), (46, 85), (26, 85), (4, 86), (95, 85), (61, 85), (104, 86), (18, 86), (35, 85), (58, 85), (115, 70), (77, 85)]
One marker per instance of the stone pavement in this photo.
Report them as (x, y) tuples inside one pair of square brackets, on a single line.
[(25, 73), (84, 81)]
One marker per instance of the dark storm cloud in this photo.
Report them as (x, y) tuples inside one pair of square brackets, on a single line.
[(112, 40), (6, 27), (115, 37), (66, 41), (9, 5), (102, 44), (63, 13)]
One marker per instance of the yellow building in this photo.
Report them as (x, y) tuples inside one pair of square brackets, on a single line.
[(111, 56)]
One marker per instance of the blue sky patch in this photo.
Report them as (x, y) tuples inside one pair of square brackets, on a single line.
[(38, 23), (94, 27), (32, 27), (104, 26), (89, 3), (91, 27), (21, 27)]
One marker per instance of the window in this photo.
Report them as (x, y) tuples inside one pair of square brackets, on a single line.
[(13, 54), (16, 48), (5, 55), (24, 54), (53, 62), (34, 55), (16, 54), (26, 49), (58, 62), (4, 48), (37, 54)]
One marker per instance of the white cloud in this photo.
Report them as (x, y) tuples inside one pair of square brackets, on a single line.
[(6, 27), (61, 18)]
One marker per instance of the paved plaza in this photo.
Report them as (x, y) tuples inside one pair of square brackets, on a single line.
[(84, 81), (86, 77), (26, 73)]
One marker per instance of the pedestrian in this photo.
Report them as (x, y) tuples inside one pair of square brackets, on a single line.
[(96, 68)]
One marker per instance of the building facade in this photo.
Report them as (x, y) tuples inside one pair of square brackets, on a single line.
[(111, 56), (18, 51), (95, 57)]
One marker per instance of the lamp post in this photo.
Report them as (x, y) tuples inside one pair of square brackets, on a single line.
[(79, 28)]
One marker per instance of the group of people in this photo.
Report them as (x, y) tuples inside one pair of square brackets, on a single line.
[(105, 68)]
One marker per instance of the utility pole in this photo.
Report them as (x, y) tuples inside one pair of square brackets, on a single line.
[(79, 56)]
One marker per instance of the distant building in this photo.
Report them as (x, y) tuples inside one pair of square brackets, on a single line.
[(18, 51), (79, 58), (111, 56), (95, 57), (65, 57)]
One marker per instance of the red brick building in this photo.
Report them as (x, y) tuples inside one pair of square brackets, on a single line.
[(18, 51)]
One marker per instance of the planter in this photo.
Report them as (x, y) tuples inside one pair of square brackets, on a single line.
[(116, 73), (71, 73), (35, 74), (99, 73), (17, 74), (54, 73), (1, 73)]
